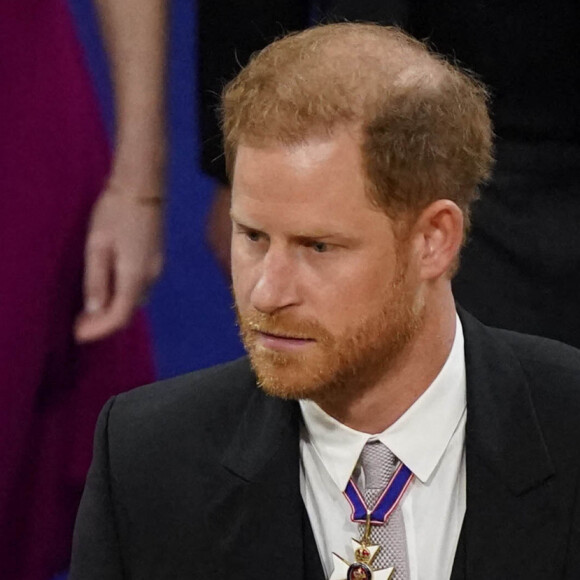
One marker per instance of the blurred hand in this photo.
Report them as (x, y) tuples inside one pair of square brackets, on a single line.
[(123, 257)]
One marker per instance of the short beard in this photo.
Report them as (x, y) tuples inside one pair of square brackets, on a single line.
[(336, 366)]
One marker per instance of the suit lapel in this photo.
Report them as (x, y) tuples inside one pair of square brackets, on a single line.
[(510, 527), (256, 513)]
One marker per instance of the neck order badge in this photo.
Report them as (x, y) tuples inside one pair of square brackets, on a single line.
[(364, 552)]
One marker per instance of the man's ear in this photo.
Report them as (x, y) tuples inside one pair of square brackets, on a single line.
[(437, 236)]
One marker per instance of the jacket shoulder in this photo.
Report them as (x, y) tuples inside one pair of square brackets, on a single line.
[(197, 403), (552, 371), (207, 386), (545, 358), (548, 372)]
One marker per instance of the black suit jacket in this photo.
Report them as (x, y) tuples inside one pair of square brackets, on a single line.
[(198, 477)]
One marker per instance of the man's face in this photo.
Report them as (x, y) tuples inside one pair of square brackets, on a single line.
[(326, 298)]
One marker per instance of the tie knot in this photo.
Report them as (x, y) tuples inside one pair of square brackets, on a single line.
[(378, 464)]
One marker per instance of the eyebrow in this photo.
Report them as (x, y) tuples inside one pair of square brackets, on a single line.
[(311, 237), (300, 237), (235, 218), (240, 223)]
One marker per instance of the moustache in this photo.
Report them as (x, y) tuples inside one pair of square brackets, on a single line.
[(283, 324)]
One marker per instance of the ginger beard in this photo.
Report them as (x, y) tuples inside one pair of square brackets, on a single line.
[(333, 364)]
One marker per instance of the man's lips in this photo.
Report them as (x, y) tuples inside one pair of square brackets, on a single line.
[(282, 341)]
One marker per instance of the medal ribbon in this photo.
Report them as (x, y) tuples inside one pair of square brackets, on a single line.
[(386, 503)]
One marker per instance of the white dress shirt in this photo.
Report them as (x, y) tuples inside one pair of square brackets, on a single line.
[(429, 439)]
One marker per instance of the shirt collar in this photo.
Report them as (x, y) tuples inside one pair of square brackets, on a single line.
[(418, 438)]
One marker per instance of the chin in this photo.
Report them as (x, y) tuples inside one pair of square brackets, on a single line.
[(288, 376)]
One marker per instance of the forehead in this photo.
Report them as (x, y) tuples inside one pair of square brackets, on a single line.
[(319, 180)]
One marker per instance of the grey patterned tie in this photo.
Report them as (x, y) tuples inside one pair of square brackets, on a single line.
[(378, 464)]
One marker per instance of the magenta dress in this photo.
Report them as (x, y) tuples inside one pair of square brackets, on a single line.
[(54, 156)]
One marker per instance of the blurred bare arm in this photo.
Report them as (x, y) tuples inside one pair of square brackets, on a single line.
[(124, 245)]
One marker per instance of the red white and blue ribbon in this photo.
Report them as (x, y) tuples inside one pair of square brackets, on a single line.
[(386, 503)]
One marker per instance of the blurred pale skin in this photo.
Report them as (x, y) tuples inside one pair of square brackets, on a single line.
[(123, 254), (309, 244)]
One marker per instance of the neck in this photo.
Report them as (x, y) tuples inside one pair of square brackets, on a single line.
[(376, 407)]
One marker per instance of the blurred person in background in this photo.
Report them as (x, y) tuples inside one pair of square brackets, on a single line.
[(80, 244), (521, 269)]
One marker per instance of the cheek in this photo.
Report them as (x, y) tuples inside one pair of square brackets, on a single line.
[(241, 284), (245, 276), (365, 287), (242, 293), (350, 302)]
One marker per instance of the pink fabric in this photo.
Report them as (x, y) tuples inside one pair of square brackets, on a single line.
[(54, 157)]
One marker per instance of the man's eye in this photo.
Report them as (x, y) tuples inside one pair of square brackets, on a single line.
[(253, 236), (320, 247)]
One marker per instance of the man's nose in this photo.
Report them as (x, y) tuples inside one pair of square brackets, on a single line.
[(276, 287)]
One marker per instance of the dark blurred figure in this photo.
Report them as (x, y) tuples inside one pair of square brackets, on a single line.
[(229, 32), (521, 269)]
